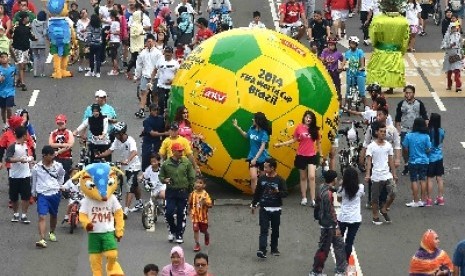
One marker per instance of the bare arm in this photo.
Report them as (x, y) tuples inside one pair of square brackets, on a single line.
[(286, 143)]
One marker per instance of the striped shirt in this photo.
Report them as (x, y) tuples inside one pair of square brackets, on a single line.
[(199, 211)]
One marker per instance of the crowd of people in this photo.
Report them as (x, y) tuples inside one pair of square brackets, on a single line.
[(167, 158)]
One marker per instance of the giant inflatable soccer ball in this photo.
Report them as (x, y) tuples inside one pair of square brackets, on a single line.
[(239, 72)]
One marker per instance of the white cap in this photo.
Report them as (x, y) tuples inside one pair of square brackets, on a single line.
[(100, 94)]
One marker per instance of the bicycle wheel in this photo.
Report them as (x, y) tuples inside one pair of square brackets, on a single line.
[(147, 216), (73, 219)]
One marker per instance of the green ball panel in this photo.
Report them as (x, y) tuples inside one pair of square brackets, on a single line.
[(309, 80), (176, 100), (236, 145)]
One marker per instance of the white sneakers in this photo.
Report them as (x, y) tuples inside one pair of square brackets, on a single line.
[(170, 237), (414, 204), (303, 202)]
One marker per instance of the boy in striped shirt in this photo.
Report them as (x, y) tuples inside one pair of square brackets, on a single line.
[(199, 203)]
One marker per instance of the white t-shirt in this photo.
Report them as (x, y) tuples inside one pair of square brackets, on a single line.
[(74, 189), (101, 213), (350, 208), (104, 13), (258, 25), (81, 27), (121, 152), (188, 6), (370, 116), (114, 28), (166, 71), (379, 159), (18, 169), (152, 176), (412, 14), (366, 5)]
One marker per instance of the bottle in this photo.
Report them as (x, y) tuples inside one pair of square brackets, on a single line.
[(351, 270)]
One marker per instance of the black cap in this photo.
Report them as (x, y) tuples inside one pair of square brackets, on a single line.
[(95, 107), (174, 126), (48, 150), (329, 176)]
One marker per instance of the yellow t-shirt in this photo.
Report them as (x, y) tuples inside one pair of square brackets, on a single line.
[(165, 149)]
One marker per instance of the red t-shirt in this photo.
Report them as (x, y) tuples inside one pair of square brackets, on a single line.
[(306, 142), (291, 11), (203, 34), (62, 136)]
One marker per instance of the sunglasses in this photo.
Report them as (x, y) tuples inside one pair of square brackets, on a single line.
[(201, 265)]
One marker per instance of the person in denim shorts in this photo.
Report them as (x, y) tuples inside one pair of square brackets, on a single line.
[(418, 144)]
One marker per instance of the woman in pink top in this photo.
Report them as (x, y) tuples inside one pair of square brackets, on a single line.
[(178, 266), (184, 124), (306, 160)]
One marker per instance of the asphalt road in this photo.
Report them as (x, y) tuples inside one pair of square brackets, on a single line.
[(381, 250)]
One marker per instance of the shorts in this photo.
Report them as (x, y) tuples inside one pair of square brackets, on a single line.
[(66, 49), (259, 165), (417, 172), (82, 49), (200, 226), (287, 30), (113, 49), (7, 102), (21, 56), (301, 162), (131, 181), (425, 10), (414, 29), (144, 83), (378, 186), (48, 204), (101, 242), (339, 15), (19, 186), (435, 168), (155, 192)]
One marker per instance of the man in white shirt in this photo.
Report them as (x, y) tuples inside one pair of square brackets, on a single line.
[(125, 151), (218, 5), (365, 7), (104, 12), (146, 61), (47, 177), (380, 163), (186, 4), (166, 68)]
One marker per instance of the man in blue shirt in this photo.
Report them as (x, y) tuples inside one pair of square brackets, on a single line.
[(153, 134), (459, 259), (7, 87)]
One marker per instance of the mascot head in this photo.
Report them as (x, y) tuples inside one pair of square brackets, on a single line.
[(98, 181), (58, 7)]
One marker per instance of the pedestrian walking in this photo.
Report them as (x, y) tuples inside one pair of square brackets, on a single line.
[(271, 188), (429, 258), (165, 69), (413, 17), (308, 154), (452, 44), (199, 203), (330, 232), (259, 136), (7, 87), (81, 29), (47, 178), (380, 162), (201, 265), (407, 111), (350, 195), (178, 266), (178, 173), (39, 30), (153, 134), (21, 43), (94, 43), (436, 164), (418, 145)]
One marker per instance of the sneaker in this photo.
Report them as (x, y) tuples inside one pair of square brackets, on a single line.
[(87, 69), (170, 237), (458, 90), (89, 74), (414, 204), (80, 69), (113, 73), (23, 87), (97, 75), (52, 237), (25, 220), (405, 171), (41, 244), (312, 204), (386, 217), (316, 274), (207, 239), (421, 203), (429, 202), (303, 202), (377, 221), (179, 239), (439, 201), (340, 274), (125, 212), (140, 114), (15, 218), (423, 33), (366, 42), (261, 254), (351, 14), (368, 205), (196, 247), (275, 252)]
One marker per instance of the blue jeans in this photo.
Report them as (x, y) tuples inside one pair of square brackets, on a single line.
[(359, 78), (265, 219), (176, 201), (95, 57)]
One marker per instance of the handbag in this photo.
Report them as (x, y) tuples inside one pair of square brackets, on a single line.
[(454, 58)]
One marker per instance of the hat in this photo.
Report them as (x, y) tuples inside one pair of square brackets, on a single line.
[(329, 176), (100, 94), (61, 118), (177, 147), (174, 126), (48, 150), (15, 121), (95, 107)]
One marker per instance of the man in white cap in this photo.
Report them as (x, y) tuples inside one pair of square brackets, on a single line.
[(106, 109)]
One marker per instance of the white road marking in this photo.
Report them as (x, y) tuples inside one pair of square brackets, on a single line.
[(463, 144), (33, 99), (435, 96)]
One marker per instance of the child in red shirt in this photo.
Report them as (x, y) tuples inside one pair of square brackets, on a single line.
[(203, 33)]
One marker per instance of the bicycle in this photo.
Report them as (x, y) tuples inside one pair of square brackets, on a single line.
[(353, 98), (219, 17), (349, 156), (437, 13), (151, 208), (74, 213), (292, 31)]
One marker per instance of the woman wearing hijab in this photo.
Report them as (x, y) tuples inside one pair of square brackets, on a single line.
[(429, 258), (178, 266)]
